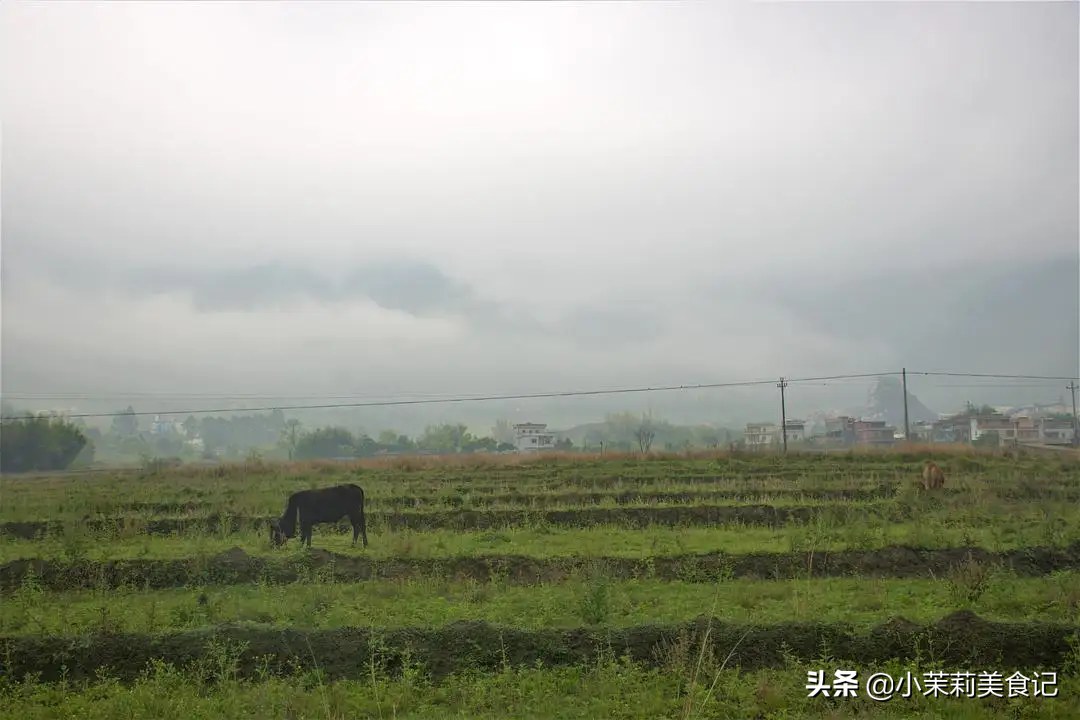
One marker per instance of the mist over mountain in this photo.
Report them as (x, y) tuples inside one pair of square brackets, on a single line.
[(883, 400), (230, 206), (886, 402)]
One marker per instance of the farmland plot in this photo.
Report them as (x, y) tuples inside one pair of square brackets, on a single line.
[(553, 587)]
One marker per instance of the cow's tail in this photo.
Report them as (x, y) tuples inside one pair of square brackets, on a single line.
[(359, 492)]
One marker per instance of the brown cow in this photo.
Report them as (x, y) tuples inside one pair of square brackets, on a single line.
[(932, 476)]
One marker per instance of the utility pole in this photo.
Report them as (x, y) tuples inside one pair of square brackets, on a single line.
[(907, 427), (783, 411), (1072, 387)]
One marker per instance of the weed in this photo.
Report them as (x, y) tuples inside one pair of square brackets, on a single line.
[(594, 605), (969, 580)]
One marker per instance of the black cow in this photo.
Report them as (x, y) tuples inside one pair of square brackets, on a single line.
[(326, 505)]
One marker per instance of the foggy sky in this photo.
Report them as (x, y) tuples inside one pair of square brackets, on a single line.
[(289, 198)]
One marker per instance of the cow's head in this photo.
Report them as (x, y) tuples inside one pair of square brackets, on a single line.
[(277, 537)]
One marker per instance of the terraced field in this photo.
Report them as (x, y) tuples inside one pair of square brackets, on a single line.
[(547, 587)]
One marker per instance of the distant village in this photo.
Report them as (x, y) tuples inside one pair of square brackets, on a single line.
[(1034, 424), (985, 426), (879, 423)]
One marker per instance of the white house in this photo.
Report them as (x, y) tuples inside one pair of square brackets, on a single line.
[(529, 437), (1004, 427), (765, 435), (163, 427), (762, 435), (796, 431), (1055, 432)]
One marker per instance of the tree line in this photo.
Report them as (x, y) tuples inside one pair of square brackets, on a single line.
[(339, 442), (47, 442)]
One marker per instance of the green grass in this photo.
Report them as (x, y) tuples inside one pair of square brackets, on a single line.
[(992, 593), (994, 502), (431, 506), (74, 503), (993, 527), (609, 689), (262, 487)]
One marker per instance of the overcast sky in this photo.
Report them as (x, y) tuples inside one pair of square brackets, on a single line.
[(482, 197)]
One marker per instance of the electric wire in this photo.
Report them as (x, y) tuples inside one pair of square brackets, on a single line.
[(433, 399), (478, 398)]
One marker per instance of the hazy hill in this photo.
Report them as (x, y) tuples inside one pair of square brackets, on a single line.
[(885, 401)]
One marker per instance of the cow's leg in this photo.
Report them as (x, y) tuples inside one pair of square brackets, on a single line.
[(355, 527), (363, 526)]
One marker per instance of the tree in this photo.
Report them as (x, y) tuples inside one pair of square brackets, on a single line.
[(645, 434), (972, 410), (503, 431), (707, 437), (446, 437), (168, 445), (365, 446), (331, 442), (393, 441), (41, 443), (594, 438), (215, 433), (125, 424), (474, 444), (191, 427), (290, 434)]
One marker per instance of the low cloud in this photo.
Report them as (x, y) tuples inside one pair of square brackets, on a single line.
[(510, 199)]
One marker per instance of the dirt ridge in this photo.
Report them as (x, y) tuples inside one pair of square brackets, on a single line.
[(488, 496), (463, 520), (235, 567), (960, 640)]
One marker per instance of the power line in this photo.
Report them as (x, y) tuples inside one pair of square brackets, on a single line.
[(430, 400), (1032, 385), (483, 398), (999, 386), (837, 379), (991, 376), (206, 396)]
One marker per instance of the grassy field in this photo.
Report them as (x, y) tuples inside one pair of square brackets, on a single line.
[(557, 586)]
